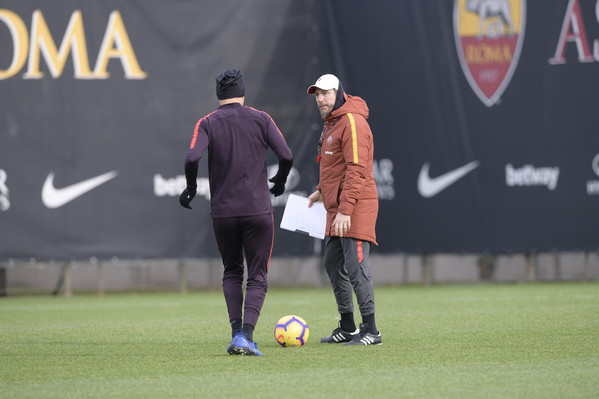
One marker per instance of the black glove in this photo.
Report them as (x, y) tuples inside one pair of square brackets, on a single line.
[(185, 198), (278, 188)]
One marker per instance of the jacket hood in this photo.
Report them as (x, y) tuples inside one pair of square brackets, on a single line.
[(340, 100), (353, 104)]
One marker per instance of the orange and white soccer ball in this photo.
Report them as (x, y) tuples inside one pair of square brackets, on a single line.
[(291, 331)]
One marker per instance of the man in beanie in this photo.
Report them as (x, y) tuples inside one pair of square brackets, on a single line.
[(238, 138), (348, 190)]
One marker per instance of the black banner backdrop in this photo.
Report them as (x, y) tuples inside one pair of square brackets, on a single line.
[(483, 111)]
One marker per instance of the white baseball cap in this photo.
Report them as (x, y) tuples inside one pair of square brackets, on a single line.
[(325, 82)]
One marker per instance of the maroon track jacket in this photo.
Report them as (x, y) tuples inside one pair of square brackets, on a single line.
[(237, 138)]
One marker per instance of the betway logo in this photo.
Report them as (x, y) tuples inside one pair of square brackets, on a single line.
[(174, 186), (528, 175)]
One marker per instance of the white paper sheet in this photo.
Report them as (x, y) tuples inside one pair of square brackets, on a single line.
[(299, 218)]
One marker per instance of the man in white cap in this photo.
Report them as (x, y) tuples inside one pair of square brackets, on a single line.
[(348, 190)]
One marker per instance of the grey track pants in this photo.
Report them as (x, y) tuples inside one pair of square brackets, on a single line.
[(346, 263)]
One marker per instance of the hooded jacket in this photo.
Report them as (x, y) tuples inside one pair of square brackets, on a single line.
[(346, 178)]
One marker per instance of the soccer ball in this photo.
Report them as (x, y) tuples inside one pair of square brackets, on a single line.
[(291, 331)]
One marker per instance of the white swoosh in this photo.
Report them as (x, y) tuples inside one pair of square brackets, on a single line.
[(429, 187), (56, 197)]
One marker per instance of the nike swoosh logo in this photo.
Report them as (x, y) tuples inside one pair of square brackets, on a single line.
[(429, 187), (56, 197)]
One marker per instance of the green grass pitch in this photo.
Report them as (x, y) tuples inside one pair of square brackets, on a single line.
[(467, 341)]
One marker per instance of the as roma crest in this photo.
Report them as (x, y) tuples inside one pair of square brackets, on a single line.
[(489, 36)]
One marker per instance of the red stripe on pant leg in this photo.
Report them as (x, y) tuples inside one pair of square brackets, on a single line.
[(360, 253), (273, 239)]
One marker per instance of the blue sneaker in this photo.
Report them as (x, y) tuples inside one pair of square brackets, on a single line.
[(240, 345), (231, 348), (253, 349), (235, 347)]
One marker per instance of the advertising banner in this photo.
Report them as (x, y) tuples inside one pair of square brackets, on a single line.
[(483, 114)]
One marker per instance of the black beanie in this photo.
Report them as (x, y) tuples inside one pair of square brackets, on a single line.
[(230, 84)]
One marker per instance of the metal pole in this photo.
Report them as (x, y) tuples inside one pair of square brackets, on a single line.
[(586, 266), (558, 266), (100, 279), (531, 260), (426, 269), (3, 280), (182, 280), (405, 268), (67, 288)]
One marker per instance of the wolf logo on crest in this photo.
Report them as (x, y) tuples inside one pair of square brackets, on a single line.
[(489, 36)]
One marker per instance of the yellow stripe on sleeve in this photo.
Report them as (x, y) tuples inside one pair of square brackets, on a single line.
[(354, 137)]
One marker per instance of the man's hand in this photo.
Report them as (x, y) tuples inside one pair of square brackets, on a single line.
[(341, 224), (185, 198), (314, 197), (278, 188)]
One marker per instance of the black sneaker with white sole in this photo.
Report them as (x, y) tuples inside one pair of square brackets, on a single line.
[(365, 337), (339, 335)]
